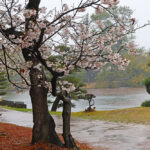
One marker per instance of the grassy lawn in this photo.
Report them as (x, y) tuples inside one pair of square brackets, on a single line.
[(131, 115), (17, 109)]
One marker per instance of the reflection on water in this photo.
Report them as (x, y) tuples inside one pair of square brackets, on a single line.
[(106, 99)]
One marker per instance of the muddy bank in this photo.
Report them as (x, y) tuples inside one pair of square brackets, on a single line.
[(114, 136)]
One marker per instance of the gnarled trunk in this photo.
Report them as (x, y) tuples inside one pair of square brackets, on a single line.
[(55, 104), (44, 125), (69, 141)]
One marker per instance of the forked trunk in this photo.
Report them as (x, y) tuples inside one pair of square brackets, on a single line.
[(69, 141), (44, 125)]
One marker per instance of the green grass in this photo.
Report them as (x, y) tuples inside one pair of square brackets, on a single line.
[(17, 109), (139, 115), (56, 113), (131, 115)]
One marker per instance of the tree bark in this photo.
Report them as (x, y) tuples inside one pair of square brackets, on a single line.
[(69, 141), (44, 125), (55, 104)]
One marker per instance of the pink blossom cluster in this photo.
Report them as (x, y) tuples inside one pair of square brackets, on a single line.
[(66, 86), (110, 2), (29, 12), (86, 46)]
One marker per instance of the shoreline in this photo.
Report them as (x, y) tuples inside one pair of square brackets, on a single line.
[(113, 91), (137, 115)]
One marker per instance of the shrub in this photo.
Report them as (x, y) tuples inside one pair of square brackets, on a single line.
[(146, 104)]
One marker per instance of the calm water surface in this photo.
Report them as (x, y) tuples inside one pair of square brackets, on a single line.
[(106, 99)]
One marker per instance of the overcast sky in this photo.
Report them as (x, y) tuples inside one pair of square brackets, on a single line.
[(141, 10)]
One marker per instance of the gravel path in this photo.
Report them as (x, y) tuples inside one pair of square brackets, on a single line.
[(114, 136)]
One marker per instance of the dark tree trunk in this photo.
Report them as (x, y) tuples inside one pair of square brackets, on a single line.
[(55, 104), (44, 125), (69, 141)]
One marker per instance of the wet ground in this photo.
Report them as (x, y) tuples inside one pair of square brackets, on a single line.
[(114, 136)]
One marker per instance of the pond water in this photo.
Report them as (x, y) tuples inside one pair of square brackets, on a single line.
[(106, 99)]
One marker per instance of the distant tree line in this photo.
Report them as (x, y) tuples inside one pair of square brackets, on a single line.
[(110, 77)]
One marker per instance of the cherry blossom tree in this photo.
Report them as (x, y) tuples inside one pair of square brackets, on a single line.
[(30, 35)]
